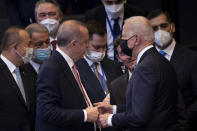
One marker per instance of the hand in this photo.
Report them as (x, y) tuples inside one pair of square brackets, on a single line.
[(104, 107), (103, 120), (107, 100), (92, 114)]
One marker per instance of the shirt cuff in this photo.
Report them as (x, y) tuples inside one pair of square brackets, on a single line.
[(109, 120), (85, 115), (114, 109)]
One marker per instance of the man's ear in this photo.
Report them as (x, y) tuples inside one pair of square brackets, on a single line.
[(72, 44), (173, 27), (138, 38)]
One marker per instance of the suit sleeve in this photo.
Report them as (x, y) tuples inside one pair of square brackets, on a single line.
[(192, 109), (141, 88), (12, 11), (48, 101)]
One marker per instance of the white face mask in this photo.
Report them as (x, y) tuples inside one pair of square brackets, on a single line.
[(95, 56), (51, 24), (28, 55), (162, 37), (114, 10)]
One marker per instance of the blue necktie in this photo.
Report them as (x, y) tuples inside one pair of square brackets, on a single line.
[(116, 27), (20, 82), (163, 53)]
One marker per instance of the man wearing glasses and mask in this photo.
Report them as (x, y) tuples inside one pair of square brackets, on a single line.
[(48, 13), (112, 15)]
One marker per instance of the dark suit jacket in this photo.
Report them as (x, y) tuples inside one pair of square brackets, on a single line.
[(118, 97), (91, 83), (20, 11), (59, 98), (117, 90), (151, 97), (15, 114), (31, 75), (185, 62), (99, 14)]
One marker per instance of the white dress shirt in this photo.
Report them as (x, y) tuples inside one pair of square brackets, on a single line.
[(169, 50), (35, 65), (70, 64), (110, 39)]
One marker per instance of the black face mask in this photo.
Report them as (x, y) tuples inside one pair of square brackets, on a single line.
[(125, 49)]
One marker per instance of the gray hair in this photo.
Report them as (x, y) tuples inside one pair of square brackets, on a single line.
[(68, 31), (54, 2), (36, 28), (142, 26), (10, 36)]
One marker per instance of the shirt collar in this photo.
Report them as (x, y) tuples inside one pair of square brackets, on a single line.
[(52, 39), (9, 64), (142, 52), (35, 65), (66, 57), (169, 50)]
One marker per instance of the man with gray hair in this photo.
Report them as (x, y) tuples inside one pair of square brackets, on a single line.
[(151, 96), (15, 94), (40, 45), (62, 100), (48, 13)]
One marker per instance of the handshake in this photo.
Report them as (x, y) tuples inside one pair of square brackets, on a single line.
[(99, 113)]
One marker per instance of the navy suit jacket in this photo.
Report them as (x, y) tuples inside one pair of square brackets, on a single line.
[(15, 114), (151, 97), (117, 90), (184, 62), (93, 87), (59, 98)]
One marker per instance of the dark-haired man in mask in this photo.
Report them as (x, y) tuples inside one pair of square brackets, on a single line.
[(95, 69), (112, 15), (183, 60)]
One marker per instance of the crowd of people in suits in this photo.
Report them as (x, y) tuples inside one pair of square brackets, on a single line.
[(120, 70)]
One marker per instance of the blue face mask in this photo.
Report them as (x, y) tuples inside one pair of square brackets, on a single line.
[(41, 55)]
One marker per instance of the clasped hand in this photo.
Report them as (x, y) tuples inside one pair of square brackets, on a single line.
[(99, 113)]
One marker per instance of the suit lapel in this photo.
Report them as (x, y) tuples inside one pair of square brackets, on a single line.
[(68, 74), (28, 82), (94, 82), (11, 81)]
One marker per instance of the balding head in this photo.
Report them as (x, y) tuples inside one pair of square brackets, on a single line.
[(138, 25), (73, 38), (70, 30)]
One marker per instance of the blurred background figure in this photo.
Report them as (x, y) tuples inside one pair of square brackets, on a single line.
[(112, 14), (48, 13)]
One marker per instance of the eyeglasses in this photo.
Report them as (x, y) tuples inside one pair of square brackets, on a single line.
[(50, 14), (161, 26), (129, 38)]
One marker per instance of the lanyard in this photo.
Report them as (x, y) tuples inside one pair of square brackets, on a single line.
[(111, 29), (103, 80)]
